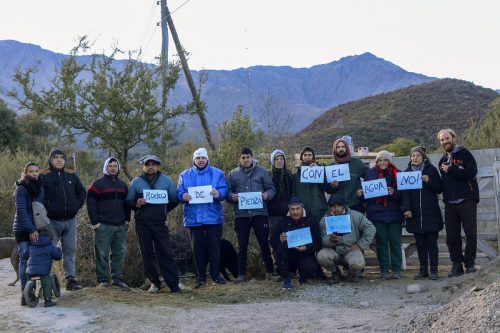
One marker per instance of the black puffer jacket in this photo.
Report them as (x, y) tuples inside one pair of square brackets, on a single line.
[(423, 203), (460, 181)]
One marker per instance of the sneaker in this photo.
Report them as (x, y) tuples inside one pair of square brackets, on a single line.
[(153, 289), (103, 285), (421, 275), (219, 280), (183, 288), (287, 284), (239, 279), (396, 275), (434, 276), (48, 303), (456, 270), (385, 275), (469, 267), (72, 285), (121, 284), (200, 285)]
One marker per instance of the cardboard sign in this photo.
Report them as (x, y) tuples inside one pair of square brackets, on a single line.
[(155, 197), (340, 224), (337, 172), (250, 200), (299, 237), (200, 194), (312, 174), (374, 188), (409, 180)]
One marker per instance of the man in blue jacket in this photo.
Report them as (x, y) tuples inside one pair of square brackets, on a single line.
[(203, 214), (152, 195)]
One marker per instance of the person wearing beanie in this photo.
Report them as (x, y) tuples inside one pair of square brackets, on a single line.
[(458, 169), (204, 220), (64, 196), (385, 213), (299, 259), (249, 177), (344, 249), (151, 223), (109, 215), (423, 215), (348, 189)]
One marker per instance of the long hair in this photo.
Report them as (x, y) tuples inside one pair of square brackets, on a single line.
[(24, 175)]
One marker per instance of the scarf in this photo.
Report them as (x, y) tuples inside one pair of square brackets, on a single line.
[(282, 179), (418, 167), (151, 180), (390, 176), (32, 186)]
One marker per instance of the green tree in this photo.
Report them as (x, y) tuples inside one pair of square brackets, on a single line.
[(400, 146), (114, 104), (10, 134), (486, 135)]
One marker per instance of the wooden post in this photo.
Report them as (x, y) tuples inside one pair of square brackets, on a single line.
[(496, 177)]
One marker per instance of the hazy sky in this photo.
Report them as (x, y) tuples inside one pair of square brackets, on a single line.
[(442, 38)]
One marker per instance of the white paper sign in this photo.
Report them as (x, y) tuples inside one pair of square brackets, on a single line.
[(250, 200), (155, 197), (340, 224), (312, 174), (409, 180), (299, 237), (337, 172), (200, 194), (374, 188)]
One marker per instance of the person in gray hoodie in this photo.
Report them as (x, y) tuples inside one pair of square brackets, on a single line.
[(248, 177)]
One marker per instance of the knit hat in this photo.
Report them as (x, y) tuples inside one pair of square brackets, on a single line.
[(384, 154), (305, 149), (105, 167), (56, 151), (421, 150), (200, 152), (295, 201), (146, 158), (336, 199), (277, 153)]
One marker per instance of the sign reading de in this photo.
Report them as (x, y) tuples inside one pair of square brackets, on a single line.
[(409, 180), (250, 200), (155, 197), (299, 237), (340, 224), (312, 174), (374, 188), (337, 172), (200, 194)]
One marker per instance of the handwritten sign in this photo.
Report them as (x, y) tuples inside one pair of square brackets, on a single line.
[(312, 174), (155, 197), (340, 224), (409, 180), (200, 194), (337, 172), (250, 200), (375, 188), (299, 237)]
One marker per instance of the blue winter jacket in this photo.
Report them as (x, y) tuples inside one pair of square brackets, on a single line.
[(40, 255), (376, 212), (207, 213), (23, 220)]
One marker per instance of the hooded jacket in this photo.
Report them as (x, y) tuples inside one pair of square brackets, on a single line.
[(23, 220), (423, 203), (284, 184), (106, 198), (196, 215), (460, 182), (64, 192), (254, 179), (40, 255)]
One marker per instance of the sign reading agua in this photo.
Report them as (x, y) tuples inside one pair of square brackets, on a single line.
[(374, 188)]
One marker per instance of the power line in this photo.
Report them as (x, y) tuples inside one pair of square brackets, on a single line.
[(148, 23)]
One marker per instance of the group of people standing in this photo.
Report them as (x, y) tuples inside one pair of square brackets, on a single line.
[(284, 204)]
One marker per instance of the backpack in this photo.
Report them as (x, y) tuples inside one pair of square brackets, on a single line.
[(40, 216)]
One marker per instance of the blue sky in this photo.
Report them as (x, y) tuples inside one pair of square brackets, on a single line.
[(441, 38)]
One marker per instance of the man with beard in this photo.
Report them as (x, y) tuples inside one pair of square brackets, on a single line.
[(347, 189), (460, 194)]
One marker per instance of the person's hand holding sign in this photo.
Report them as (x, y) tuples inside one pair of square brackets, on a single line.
[(359, 192), (265, 196), (140, 202), (407, 214), (283, 237), (390, 190), (334, 237), (425, 178), (214, 193), (234, 197), (301, 248), (186, 197), (334, 184)]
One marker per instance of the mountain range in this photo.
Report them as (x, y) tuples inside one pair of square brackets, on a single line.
[(304, 93)]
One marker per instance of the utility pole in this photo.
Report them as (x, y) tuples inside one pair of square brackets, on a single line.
[(164, 54), (200, 110)]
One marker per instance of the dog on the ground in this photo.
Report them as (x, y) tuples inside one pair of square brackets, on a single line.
[(228, 259), (8, 249)]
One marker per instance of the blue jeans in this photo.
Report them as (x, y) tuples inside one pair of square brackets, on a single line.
[(21, 248), (65, 231)]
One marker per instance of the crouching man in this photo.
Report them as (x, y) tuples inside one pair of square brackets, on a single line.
[(296, 259), (347, 248)]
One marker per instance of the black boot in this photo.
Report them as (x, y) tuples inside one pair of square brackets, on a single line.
[(423, 273), (434, 273), (469, 267), (456, 270)]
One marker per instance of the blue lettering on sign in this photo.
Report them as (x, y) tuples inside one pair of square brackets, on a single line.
[(409, 180), (155, 196), (314, 174), (250, 200), (374, 188)]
